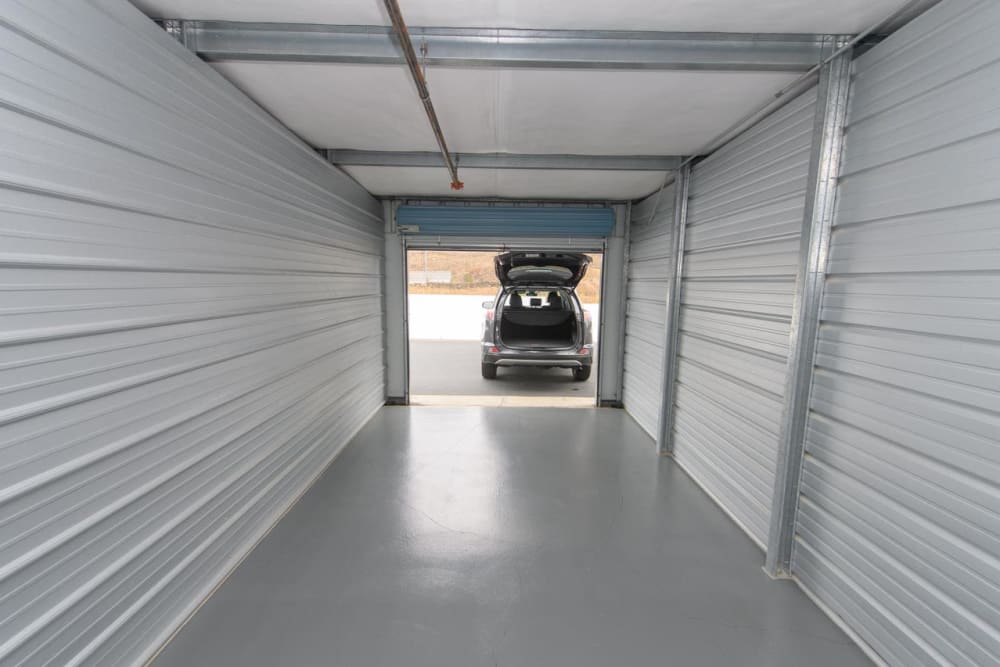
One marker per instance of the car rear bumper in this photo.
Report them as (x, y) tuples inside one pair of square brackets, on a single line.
[(556, 363), (547, 358)]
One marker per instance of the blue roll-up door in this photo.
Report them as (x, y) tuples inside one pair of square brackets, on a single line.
[(506, 221)]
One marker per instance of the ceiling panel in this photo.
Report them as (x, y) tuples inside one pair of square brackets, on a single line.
[(520, 111), (514, 111), (624, 113), (824, 16), (509, 183), (346, 12), (372, 107), (513, 183)]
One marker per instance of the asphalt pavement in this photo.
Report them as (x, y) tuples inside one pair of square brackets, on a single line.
[(451, 367)]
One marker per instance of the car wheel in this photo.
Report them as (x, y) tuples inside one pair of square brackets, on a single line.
[(581, 374), (489, 371)]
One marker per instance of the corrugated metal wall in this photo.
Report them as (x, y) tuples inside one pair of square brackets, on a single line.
[(649, 269), (899, 518), (745, 214), (192, 329)]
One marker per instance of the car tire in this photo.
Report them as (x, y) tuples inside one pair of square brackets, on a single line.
[(489, 371), (581, 374)]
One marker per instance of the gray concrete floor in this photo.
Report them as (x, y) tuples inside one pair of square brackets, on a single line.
[(472, 537), (451, 368)]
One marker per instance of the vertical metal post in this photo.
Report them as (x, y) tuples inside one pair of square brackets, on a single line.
[(623, 306), (824, 169), (387, 228), (611, 328), (665, 432), (397, 390)]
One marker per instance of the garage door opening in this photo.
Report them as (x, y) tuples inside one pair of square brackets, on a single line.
[(542, 329)]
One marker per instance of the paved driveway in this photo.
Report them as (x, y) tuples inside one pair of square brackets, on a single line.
[(451, 367)]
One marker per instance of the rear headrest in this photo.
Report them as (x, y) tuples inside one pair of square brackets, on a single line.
[(555, 301), (515, 301)]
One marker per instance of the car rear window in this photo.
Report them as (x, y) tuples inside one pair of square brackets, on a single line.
[(541, 298), (536, 272)]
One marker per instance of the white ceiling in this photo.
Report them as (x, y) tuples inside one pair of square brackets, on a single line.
[(510, 183), (564, 111), (816, 16), (517, 111)]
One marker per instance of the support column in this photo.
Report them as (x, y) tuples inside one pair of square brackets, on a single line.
[(665, 434), (824, 168), (397, 344), (611, 340)]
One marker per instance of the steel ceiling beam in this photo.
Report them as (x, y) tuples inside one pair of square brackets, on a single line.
[(500, 47), (354, 158)]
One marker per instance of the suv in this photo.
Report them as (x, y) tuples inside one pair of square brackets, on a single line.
[(536, 318)]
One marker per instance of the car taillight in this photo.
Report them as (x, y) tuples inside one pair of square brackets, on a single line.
[(587, 316), (494, 350), (584, 350), (489, 314)]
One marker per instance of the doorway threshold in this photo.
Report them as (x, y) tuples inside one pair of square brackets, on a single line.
[(441, 400)]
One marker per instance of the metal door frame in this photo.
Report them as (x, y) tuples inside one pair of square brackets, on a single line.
[(397, 329)]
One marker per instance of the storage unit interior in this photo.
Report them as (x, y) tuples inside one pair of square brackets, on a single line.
[(203, 344)]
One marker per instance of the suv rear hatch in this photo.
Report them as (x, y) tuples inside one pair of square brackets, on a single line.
[(558, 269)]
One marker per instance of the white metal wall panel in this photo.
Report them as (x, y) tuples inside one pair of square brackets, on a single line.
[(191, 329), (650, 266), (898, 528), (745, 213)]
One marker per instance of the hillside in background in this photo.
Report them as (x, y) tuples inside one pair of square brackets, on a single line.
[(472, 273)]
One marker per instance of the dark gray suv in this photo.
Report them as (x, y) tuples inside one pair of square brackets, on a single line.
[(536, 318)]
